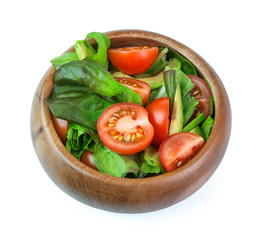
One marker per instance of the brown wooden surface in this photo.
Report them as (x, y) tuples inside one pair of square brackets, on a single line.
[(130, 195)]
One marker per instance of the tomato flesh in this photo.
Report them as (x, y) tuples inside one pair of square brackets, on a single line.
[(179, 148), (124, 128), (158, 111), (142, 88), (133, 60), (61, 127), (202, 93)]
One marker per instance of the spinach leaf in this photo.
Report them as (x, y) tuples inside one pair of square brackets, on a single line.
[(80, 106), (197, 130), (115, 164), (94, 76), (80, 139), (189, 104), (195, 122), (185, 82), (156, 93), (207, 127), (187, 67), (151, 162), (64, 58), (103, 44), (83, 49)]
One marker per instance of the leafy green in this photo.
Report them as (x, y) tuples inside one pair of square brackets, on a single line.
[(187, 67), (94, 76), (185, 82), (156, 93), (103, 44), (80, 107), (189, 104), (207, 127), (212, 105), (80, 139), (115, 164), (64, 58), (171, 77), (195, 122), (197, 130), (82, 46), (151, 162)]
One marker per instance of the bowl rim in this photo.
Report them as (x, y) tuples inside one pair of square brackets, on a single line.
[(222, 118)]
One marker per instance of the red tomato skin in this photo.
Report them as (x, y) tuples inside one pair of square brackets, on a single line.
[(142, 88), (204, 105), (125, 147), (61, 127), (179, 148), (87, 159), (158, 111), (133, 62)]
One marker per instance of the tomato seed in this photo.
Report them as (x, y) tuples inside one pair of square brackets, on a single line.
[(138, 135), (113, 132), (116, 136), (179, 164), (140, 129), (127, 137)]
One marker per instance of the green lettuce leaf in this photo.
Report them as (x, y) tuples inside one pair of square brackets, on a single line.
[(115, 164), (207, 127), (189, 104), (94, 76), (78, 141), (100, 56), (64, 58), (186, 66), (150, 162), (103, 44), (77, 105)]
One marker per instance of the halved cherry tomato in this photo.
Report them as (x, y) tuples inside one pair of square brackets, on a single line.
[(179, 148), (61, 127), (142, 88), (87, 159), (158, 111), (202, 93), (133, 60), (124, 128)]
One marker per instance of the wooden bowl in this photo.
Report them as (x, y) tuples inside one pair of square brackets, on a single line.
[(130, 195)]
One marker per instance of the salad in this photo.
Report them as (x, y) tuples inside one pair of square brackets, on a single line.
[(133, 111)]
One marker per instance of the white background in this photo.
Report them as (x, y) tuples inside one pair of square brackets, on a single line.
[(228, 34)]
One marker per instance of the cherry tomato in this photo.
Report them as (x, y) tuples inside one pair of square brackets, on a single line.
[(61, 127), (142, 88), (202, 93), (133, 60), (158, 111), (87, 159), (124, 128), (179, 148)]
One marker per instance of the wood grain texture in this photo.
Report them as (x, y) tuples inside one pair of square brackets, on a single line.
[(130, 195)]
